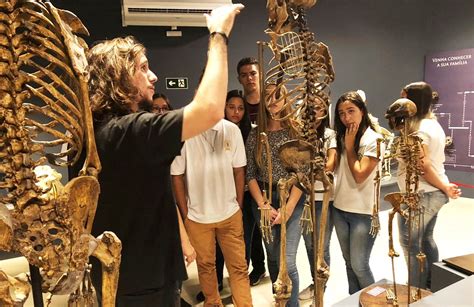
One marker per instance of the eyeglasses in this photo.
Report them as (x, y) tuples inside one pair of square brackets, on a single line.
[(160, 110)]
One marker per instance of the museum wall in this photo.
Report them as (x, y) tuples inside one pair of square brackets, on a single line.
[(377, 46)]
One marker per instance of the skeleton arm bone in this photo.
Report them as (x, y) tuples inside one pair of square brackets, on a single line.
[(258, 197), (295, 195)]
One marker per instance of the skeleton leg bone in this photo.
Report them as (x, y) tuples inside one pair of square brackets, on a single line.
[(108, 252), (322, 269), (283, 285)]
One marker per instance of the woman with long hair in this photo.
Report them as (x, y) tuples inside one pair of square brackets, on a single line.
[(236, 112), (278, 132), (433, 182), (354, 192)]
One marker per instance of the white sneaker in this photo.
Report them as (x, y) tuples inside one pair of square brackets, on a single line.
[(307, 293)]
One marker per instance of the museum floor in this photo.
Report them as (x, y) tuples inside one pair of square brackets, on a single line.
[(454, 234)]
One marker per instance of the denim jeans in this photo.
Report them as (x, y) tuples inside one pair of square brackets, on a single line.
[(308, 237), (422, 240), (356, 243), (293, 235)]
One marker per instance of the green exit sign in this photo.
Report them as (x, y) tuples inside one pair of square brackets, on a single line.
[(177, 83)]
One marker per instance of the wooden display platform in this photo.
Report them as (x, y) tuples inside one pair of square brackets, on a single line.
[(376, 295), (464, 264)]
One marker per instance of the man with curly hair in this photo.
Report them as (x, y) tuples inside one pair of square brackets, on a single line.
[(136, 149)]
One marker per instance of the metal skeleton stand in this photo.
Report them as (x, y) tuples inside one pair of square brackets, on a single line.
[(36, 286)]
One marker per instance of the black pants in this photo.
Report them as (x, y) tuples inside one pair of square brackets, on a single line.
[(168, 295), (252, 237)]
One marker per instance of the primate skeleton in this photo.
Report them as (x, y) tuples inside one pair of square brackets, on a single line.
[(301, 72), (45, 119)]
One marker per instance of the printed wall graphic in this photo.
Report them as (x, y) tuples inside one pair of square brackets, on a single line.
[(451, 74)]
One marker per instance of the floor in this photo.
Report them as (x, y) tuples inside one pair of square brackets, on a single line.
[(454, 234)]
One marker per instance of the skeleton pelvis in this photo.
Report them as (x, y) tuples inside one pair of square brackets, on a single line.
[(6, 232), (296, 154), (80, 196), (395, 199), (79, 202), (60, 245), (13, 290)]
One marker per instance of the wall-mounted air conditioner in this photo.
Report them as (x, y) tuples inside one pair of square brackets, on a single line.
[(178, 13)]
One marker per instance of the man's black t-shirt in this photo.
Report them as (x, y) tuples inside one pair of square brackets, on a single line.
[(252, 110), (136, 201)]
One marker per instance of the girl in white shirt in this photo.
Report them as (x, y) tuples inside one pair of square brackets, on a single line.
[(354, 192)]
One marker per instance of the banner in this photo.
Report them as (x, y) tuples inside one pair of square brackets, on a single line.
[(451, 74)]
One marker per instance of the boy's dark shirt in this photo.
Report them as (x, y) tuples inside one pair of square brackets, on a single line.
[(252, 109)]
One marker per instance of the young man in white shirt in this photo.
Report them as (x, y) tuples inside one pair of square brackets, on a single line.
[(208, 181)]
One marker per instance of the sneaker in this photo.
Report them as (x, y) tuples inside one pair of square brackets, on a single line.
[(256, 277), (200, 296), (307, 293)]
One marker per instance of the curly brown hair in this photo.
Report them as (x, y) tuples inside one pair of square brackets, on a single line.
[(111, 67)]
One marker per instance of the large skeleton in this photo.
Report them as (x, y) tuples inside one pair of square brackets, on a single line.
[(45, 117), (302, 70)]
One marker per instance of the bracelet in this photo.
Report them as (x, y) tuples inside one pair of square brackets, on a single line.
[(224, 36)]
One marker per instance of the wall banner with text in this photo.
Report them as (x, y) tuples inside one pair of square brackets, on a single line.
[(451, 74)]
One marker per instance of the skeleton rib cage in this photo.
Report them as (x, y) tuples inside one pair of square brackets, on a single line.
[(45, 119)]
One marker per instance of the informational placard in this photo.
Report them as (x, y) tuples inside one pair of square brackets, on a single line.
[(179, 83), (451, 74)]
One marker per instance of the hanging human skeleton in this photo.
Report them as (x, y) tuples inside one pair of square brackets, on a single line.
[(301, 71), (45, 117)]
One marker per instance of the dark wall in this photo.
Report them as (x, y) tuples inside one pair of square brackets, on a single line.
[(377, 46)]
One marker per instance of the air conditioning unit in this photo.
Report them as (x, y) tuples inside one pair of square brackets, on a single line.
[(178, 13)]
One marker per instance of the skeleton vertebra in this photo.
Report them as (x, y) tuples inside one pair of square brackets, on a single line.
[(305, 68), (45, 116)]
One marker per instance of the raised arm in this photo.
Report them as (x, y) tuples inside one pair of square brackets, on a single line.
[(360, 169), (207, 107)]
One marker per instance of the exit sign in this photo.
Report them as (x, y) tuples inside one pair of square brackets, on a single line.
[(180, 83)]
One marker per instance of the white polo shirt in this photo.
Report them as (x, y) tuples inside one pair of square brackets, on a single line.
[(350, 196), (329, 142), (208, 160)]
